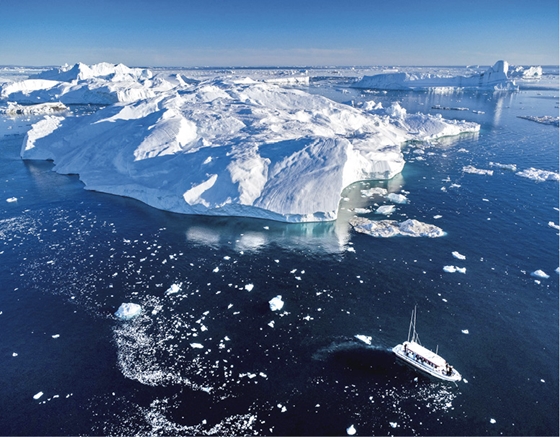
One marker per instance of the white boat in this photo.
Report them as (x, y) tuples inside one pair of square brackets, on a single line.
[(412, 352)]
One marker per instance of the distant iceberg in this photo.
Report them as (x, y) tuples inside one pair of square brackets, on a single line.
[(495, 78), (223, 146)]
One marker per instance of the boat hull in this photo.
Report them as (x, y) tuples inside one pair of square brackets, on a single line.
[(436, 372)]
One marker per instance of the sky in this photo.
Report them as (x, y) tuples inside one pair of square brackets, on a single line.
[(191, 33)]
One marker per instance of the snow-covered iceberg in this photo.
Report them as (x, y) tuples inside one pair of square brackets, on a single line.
[(226, 146), (101, 84), (495, 78)]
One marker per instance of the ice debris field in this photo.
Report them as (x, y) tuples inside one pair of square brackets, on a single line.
[(221, 146)]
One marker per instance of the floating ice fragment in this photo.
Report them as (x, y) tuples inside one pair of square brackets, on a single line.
[(276, 303), (392, 228), (55, 336), (249, 287), (376, 191), (271, 324), (539, 175), (540, 274), (393, 424), (385, 209), (216, 270), (38, 395), (14, 354), (128, 311), (453, 269), (397, 198), (437, 216), (492, 420), (227, 258), (473, 170), (511, 167), (458, 255), (351, 430), (465, 331), (554, 225), (365, 338), (11, 199), (197, 346), (175, 288)]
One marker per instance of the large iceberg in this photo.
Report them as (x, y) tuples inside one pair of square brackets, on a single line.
[(221, 146), (495, 78)]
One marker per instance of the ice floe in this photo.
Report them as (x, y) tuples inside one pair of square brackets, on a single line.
[(351, 430), (511, 167), (473, 170), (174, 289), (365, 338), (385, 209), (392, 228), (11, 199), (128, 311), (545, 119), (454, 269), (252, 148), (38, 395), (494, 78), (458, 255), (397, 198), (540, 274), (276, 303), (539, 175), (40, 108)]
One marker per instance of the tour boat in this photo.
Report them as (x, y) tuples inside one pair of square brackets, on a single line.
[(412, 352)]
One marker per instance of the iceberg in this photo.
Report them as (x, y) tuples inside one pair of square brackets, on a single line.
[(385, 209), (128, 311), (473, 170), (174, 289), (495, 78), (223, 146), (540, 274), (397, 198)]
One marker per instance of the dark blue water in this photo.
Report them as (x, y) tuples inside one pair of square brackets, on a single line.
[(70, 257)]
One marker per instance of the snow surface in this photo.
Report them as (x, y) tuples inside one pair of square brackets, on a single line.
[(223, 146), (495, 78)]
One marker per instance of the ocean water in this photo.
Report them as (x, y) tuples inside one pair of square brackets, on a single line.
[(214, 359)]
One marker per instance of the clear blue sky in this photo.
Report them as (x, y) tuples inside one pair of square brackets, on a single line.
[(278, 32)]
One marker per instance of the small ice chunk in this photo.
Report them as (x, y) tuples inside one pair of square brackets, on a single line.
[(393, 424), (365, 338), (11, 199), (351, 430), (175, 288), (276, 303), (397, 198), (438, 216), (197, 346), (554, 225), (385, 209), (55, 336), (453, 269), (539, 175), (14, 354), (216, 270), (465, 331), (38, 395), (128, 311), (473, 170), (249, 287), (271, 324), (492, 421), (540, 274), (511, 167), (458, 255)]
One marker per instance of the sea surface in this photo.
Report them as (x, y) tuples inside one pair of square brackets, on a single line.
[(214, 358)]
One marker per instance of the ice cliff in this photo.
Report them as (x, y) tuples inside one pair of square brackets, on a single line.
[(495, 78), (225, 146)]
